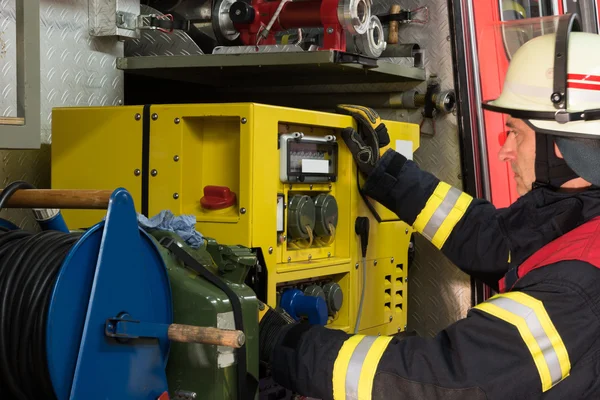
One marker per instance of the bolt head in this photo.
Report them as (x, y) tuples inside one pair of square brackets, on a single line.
[(137, 172), (177, 120), (328, 254), (330, 186), (270, 250), (330, 30), (138, 117), (556, 97), (243, 210), (309, 257), (406, 279), (244, 120), (375, 262), (311, 187), (391, 318), (406, 231), (154, 172), (175, 196), (289, 259), (154, 116), (175, 158), (356, 265), (392, 260)]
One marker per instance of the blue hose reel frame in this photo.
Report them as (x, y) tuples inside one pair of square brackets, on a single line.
[(114, 268)]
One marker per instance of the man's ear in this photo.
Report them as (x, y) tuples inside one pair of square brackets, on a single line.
[(557, 151)]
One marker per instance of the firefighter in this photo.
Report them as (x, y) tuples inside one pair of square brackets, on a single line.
[(539, 337)]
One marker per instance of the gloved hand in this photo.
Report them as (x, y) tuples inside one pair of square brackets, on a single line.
[(371, 136), (271, 324)]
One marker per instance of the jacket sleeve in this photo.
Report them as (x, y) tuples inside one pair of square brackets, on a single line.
[(467, 230), (515, 345)]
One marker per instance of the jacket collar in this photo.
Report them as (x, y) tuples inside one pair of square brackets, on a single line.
[(543, 215)]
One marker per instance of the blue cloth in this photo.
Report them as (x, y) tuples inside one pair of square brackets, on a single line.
[(183, 225)]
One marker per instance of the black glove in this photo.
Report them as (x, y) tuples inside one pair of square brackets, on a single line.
[(270, 326), (371, 136)]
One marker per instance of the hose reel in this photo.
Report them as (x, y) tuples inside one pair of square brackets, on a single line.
[(101, 312)]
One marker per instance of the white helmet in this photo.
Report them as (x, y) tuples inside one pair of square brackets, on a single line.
[(553, 84)]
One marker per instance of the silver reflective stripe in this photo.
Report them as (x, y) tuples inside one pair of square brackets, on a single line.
[(441, 213), (536, 329), (355, 366)]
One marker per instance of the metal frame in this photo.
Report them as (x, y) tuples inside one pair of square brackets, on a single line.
[(24, 132)]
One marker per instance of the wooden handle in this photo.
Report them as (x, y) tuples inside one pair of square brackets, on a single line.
[(393, 33), (206, 335), (59, 198), (12, 121)]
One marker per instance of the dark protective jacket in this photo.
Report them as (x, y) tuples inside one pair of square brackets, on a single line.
[(538, 340)]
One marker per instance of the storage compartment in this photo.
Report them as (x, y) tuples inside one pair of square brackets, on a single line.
[(211, 168)]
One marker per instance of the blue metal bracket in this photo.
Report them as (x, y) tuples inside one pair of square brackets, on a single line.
[(125, 328)]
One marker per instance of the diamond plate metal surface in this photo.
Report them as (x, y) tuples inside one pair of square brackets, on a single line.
[(438, 292), (157, 43), (76, 70), (103, 17)]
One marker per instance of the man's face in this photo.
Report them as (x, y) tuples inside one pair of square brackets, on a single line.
[(519, 150)]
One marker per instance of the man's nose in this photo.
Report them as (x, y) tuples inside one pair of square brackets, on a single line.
[(508, 151)]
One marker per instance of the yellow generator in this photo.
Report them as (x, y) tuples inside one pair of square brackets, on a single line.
[(277, 180)]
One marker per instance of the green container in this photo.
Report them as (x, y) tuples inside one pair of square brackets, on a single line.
[(207, 370)]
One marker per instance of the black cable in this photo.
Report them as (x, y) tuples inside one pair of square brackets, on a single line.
[(29, 265), (11, 189)]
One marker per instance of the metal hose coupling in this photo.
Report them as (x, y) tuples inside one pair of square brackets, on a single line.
[(354, 15), (372, 42)]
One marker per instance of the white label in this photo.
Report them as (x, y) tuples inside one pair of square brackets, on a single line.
[(279, 214), (315, 166), (405, 147), (225, 355)]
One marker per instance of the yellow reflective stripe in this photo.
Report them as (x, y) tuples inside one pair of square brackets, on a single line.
[(340, 367), (451, 220), (530, 342), (444, 208), (355, 366), (434, 201), (551, 332), (367, 374), (530, 317)]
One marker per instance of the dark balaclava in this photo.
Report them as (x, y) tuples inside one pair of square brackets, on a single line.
[(550, 170)]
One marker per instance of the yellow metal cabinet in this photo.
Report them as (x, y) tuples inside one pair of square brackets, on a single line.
[(167, 155)]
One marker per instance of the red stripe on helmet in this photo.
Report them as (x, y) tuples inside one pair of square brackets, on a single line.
[(585, 86), (583, 77)]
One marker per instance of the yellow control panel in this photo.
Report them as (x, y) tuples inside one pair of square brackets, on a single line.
[(275, 179)]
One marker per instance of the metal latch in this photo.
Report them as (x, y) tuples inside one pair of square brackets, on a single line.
[(164, 23), (125, 328)]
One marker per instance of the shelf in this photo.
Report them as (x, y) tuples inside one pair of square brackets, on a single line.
[(272, 69)]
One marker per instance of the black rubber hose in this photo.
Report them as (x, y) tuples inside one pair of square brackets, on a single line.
[(29, 265), (11, 189)]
